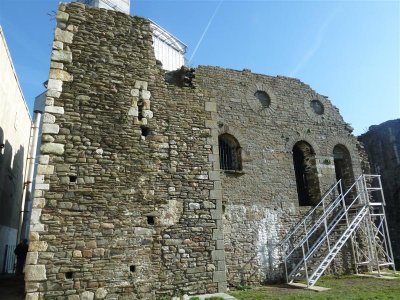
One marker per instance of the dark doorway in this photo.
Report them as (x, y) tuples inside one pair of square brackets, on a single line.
[(305, 169), (343, 166)]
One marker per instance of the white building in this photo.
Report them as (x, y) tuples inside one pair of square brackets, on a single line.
[(15, 128), (118, 5), (168, 49)]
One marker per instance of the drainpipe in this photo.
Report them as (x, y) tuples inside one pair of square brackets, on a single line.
[(27, 199)]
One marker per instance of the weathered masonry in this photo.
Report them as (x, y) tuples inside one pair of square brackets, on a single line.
[(154, 183), (382, 143)]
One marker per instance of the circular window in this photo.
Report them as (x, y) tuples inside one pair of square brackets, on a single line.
[(263, 98), (317, 107)]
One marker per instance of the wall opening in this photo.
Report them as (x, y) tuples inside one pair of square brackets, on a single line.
[(343, 166), (69, 275), (229, 153), (73, 178), (132, 268), (150, 220), (305, 168), (145, 130)]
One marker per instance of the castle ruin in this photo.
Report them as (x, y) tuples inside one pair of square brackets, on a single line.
[(156, 183)]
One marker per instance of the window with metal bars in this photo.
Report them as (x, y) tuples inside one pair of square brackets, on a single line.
[(229, 153)]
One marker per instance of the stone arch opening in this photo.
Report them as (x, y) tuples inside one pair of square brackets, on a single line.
[(305, 169), (230, 157), (343, 166)]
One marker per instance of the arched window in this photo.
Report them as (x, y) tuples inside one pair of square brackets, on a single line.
[(305, 168), (229, 153), (343, 166)]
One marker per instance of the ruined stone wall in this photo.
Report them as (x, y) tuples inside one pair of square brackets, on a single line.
[(128, 201), (261, 202), (382, 144)]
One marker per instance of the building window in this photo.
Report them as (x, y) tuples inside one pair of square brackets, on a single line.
[(305, 169), (263, 97), (317, 107), (229, 153), (343, 167)]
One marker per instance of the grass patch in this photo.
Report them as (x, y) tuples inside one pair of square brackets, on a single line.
[(344, 287)]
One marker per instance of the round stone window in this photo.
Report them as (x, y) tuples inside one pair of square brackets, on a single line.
[(263, 98), (317, 107)]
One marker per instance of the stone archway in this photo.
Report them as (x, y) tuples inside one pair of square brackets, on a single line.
[(305, 168), (343, 166)]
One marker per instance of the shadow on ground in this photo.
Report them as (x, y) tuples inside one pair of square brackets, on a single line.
[(11, 287)]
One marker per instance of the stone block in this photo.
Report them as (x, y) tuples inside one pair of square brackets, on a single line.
[(216, 214), (55, 85), (62, 16), (214, 175), (50, 128), (73, 297), (44, 159), (52, 148), (32, 296), (60, 75), (35, 216), (61, 56), (31, 258), (63, 36), (211, 106), (37, 227), (220, 244), (45, 170), (147, 114), (196, 270), (145, 95), (215, 194), (135, 92), (57, 46), (54, 109), (193, 206), (218, 255), (101, 293), (217, 234), (35, 272), (133, 111), (141, 85), (38, 246), (48, 118), (33, 236), (87, 295), (219, 276)]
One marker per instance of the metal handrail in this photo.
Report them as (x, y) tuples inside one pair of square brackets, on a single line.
[(300, 223), (322, 219), (320, 240)]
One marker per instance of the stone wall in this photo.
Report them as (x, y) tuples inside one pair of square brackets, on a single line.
[(261, 203), (382, 144), (128, 199)]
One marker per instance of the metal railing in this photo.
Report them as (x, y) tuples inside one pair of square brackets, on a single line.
[(313, 243)]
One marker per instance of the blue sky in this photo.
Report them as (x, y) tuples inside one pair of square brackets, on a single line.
[(346, 50)]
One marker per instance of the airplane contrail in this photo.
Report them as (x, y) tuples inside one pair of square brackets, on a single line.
[(205, 31), (317, 44)]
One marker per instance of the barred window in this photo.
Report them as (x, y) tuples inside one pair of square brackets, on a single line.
[(229, 153)]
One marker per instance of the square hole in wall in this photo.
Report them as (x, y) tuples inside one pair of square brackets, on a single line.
[(69, 275), (72, 178), (132, 268), (150, 220)]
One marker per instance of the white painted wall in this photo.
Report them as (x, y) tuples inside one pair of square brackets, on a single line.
[(15, 125), (118, 5), (167, 48)]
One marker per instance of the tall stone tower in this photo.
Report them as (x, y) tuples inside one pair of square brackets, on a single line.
[(118, 5)]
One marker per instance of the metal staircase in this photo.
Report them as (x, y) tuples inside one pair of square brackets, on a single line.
[(313, 243)]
